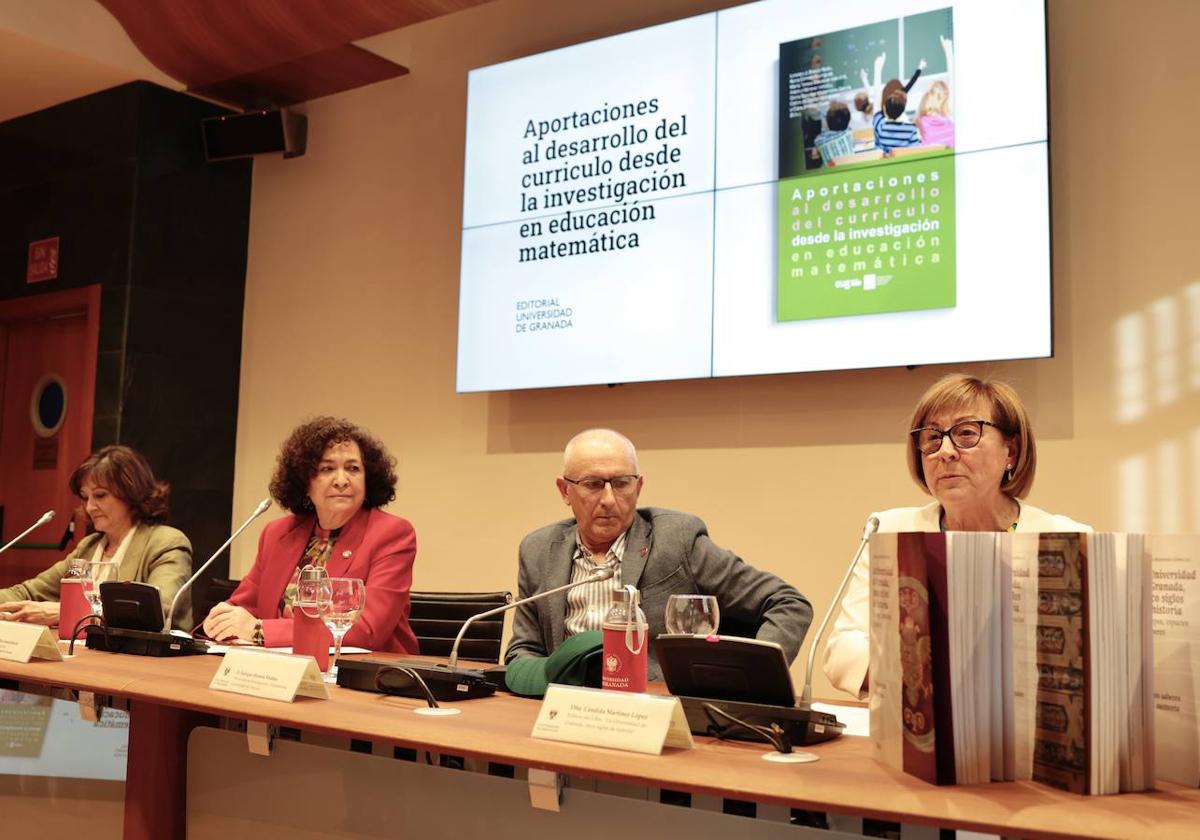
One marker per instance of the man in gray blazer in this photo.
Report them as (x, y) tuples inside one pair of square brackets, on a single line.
[(661, 552)]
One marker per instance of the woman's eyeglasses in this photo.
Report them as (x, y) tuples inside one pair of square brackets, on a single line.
[(964, 434)]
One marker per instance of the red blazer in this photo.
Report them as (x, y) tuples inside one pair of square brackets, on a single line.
[(375, 546)]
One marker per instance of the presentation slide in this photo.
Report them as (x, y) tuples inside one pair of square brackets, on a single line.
[(778, 187)]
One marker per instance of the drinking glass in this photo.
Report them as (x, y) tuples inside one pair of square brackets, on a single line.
[(341, 602), (693, 615), (98, 572)]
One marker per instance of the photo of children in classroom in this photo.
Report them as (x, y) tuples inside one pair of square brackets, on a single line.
[(867, 94)]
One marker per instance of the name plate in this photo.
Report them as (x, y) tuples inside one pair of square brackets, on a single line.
[(20, 642), (643, 723), (272, 676)]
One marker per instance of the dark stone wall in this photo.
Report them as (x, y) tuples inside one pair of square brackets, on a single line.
[(120, 177)]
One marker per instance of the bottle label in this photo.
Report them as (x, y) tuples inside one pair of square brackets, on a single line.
[(624, 670), (72, 607), (310, 636)]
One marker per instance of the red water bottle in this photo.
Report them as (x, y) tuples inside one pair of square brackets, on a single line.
[(72, 606), (310, 636), (625, 642)]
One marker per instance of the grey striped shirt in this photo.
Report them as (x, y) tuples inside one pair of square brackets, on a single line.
[(587, 605)]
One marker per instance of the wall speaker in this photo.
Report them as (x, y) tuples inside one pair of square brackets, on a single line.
[(255, 133)]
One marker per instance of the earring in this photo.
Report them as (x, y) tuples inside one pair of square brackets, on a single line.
[(1008, 473)]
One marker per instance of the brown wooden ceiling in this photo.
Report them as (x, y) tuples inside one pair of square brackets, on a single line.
[(255, 53)]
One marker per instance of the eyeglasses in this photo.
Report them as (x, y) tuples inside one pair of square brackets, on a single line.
[(621, 484), (964, 434)]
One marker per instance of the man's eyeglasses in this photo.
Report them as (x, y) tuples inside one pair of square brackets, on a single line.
[(964, 434), (621, 484)]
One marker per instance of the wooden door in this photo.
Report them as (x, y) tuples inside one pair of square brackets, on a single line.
[(47, 387)]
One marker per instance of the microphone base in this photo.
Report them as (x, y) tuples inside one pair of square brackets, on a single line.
[(804, 727), (445, 684), (141, 642)]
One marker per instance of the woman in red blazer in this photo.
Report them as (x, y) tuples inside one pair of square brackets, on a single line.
[(333, 476)]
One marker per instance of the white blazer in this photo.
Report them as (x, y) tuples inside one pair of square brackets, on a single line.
[(847, 653)]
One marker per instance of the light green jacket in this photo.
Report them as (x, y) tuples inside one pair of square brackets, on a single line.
[(157, 554)]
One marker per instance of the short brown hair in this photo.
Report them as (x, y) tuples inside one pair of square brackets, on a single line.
[(891, 87), (895, 104), (301, 454), (125, 473), (838, 116), (958, 390)]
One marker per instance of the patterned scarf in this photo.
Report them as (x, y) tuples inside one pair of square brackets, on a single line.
[(316, 554)]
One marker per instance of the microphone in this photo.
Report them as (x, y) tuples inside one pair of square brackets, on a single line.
[(45, 517), (871, 526), (603, 573), (121, 632), (258, 511)]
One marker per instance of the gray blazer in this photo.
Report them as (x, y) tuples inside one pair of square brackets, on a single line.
[(666, 553)]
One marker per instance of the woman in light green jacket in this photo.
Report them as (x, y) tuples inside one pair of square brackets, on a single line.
[(127, 508)]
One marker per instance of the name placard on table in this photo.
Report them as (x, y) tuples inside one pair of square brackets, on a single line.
[(272, 676), (642, 723), (20, 642)]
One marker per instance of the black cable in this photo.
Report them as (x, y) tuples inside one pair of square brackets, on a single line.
[(413, 675), (75, 632), (773, 734)]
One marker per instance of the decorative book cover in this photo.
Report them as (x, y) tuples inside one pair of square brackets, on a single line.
[(1176, 627), (928, 750), (1061, 751)]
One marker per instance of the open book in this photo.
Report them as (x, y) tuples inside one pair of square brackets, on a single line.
[(1013, 656)]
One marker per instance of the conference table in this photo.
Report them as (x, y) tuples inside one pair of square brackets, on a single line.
[(207, 763)]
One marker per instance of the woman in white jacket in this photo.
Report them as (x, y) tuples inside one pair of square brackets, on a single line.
[(972, 448)]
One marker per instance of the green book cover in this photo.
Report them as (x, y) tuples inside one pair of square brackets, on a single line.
[(877, 237), (867, 170)]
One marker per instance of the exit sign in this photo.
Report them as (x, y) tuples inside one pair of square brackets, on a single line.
[(43, 260)]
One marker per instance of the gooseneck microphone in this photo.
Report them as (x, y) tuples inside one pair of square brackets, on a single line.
[(871, 526), (42, 520), (603, 573), (258, 511)]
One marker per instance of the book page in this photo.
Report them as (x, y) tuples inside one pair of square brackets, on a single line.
[(974, 648), (1175, 604), (885, 678), (1060, 752), (1001, 671), (1024, 638), (1105, 621), (1137, 754)]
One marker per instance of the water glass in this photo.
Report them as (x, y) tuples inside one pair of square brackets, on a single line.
[(98, 572), (693, 615), (341, 602)]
